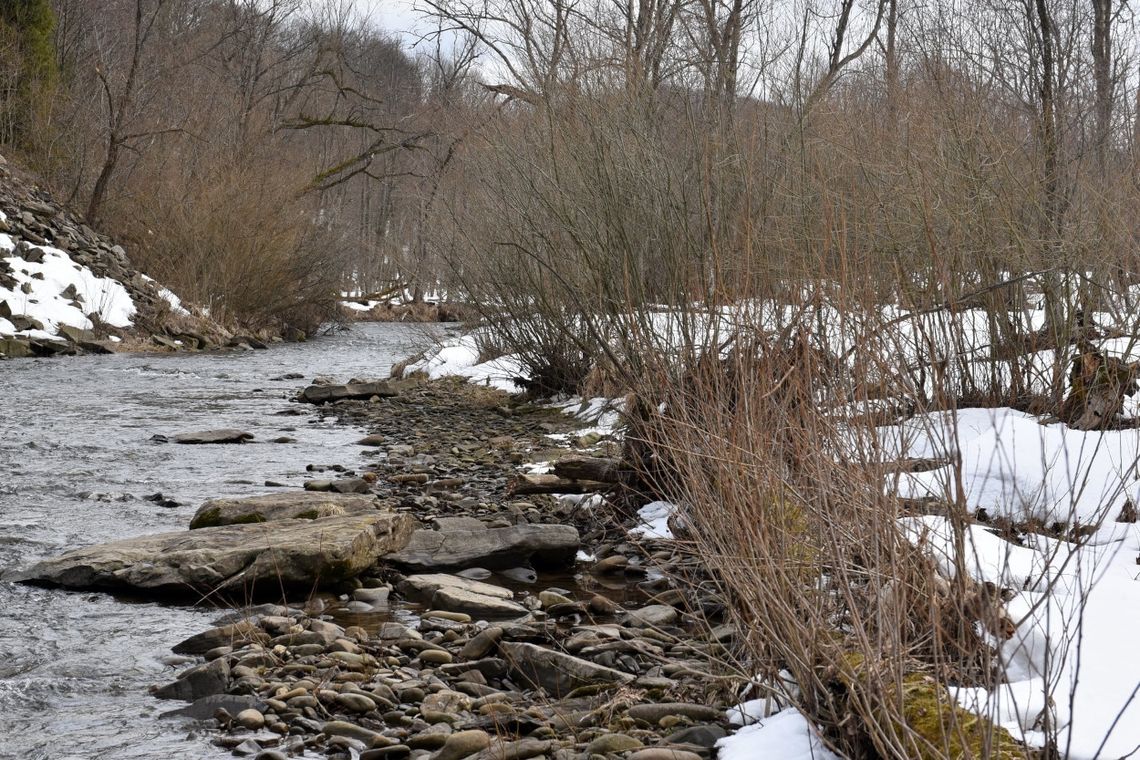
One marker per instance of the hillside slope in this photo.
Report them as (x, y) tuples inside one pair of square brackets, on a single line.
[(65, 288)]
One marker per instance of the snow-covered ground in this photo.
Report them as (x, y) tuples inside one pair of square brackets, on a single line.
[(1076, 606), (1016, 467), (58, 292)]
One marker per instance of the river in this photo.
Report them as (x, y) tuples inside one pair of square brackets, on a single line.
[(76, 465)]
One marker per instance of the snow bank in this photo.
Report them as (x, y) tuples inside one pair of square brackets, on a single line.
[(1014, 466), (654, 521), (1077, 607), (60, 292), (459, 357)]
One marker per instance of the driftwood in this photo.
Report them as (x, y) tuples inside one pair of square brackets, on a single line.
[(1098, 385), (532, 484), (601, 469), (577, 475)]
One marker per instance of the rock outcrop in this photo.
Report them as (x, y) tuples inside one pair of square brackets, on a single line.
[(259, 559)]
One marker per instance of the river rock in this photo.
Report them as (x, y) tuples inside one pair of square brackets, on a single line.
[(482, 643), (664, 753), (478, 605), (321, 394), (224, 435), (251, 558), (234, 634), (456, 594), (462, 744), (522, 749), (200, 681), (204, 708), (547, 546), (652, 616), (556, 672), (280, 506), (366, 736), (613, 743), (251, 719)]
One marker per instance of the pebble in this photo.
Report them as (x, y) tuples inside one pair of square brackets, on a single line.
[(356, 702), (664, 753)]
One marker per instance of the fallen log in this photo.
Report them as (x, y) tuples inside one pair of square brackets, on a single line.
[(533, 484), (600, 469)]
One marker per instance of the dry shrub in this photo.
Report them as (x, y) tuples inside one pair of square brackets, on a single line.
[(785, 506), (239, 240)]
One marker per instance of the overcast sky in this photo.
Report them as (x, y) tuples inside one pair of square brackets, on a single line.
[(397, 16)]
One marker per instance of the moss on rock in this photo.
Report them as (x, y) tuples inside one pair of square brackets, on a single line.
[(941, 729)]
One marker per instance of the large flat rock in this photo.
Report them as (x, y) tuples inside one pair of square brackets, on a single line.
[(556, 672), (224, 435), (305, 505), (547, 546), (322, 394), (252, 560)]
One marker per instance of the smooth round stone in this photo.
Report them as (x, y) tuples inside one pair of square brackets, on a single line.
[(395, 752), (607, 743), (655, 712), (463, 744), (550, 598), (433, 738), (356, 702), (436, 656), (600, 605), (664, 753), (251, 719)]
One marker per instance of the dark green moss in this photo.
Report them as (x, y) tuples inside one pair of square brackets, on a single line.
[(208, 519)]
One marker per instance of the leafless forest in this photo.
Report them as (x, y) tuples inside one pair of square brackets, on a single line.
[(777, 225)]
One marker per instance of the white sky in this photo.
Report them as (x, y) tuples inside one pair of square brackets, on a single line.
[(397, 16)]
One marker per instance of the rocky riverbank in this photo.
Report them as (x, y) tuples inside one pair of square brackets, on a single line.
[(475, 624)]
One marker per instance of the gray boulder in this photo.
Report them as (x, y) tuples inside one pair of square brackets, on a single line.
[(305, 505), (255, 559), (548, 546), (199, 681)]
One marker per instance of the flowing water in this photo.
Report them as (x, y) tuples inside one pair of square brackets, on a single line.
[(76, 463)]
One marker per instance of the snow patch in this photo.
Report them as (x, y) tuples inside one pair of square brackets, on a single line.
[(787, 735), (459, 357), (46, 282), (654, 518)]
